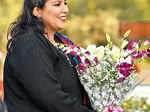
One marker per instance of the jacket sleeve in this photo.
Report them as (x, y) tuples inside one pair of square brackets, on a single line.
[(39, 79)]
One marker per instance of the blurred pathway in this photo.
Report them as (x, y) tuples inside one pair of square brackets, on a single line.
[(143, 90)]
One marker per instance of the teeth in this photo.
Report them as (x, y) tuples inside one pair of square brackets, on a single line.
[(62, 18)]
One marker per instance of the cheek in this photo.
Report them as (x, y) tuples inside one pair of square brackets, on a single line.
[(67, 9), (50, 14)]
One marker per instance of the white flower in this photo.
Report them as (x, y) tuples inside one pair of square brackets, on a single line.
[(91, 48), (115, 52), (98, 51), (147, 42)]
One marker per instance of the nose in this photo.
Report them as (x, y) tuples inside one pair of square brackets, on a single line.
[(65, 9)]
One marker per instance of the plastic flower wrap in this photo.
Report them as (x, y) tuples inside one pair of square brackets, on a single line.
[(108, 72)]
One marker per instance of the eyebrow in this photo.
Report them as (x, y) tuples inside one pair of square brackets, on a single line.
[(53, 1), (59, 0)]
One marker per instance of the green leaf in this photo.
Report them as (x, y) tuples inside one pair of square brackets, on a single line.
[(126, 34), (108, 38)]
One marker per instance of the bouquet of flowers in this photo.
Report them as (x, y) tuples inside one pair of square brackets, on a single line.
[(108, 73)]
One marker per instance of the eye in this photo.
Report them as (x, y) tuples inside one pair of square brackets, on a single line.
[(57, 4), (65, 3)]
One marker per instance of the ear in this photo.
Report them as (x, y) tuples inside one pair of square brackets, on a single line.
[(36, 12)]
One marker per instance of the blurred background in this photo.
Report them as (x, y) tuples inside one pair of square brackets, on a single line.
[(88, 22)]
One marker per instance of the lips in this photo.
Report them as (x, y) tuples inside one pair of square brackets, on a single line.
[(62, 18)]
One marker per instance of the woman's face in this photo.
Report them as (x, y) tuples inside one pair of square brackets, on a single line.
[(54, 14)]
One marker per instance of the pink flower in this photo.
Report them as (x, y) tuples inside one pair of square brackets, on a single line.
[(148, 41), (73, 53), (114, 109), (110, 109), (119, 109), (72, 46)]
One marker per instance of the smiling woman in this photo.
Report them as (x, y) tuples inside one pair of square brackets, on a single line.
[(53, 15), (38, 76)]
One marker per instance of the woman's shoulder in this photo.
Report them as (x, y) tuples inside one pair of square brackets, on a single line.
[(27, 42), (28, 36), (32, 42)]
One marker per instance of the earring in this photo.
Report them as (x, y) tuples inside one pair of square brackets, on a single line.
[(39, 16)]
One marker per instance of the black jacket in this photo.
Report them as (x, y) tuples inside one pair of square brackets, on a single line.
[(38, 78), (3, 107)]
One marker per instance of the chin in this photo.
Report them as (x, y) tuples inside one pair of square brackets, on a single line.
[(61, 27)]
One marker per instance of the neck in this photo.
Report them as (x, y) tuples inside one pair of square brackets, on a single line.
[(50, 34)]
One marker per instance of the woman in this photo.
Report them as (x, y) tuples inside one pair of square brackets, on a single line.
[(38, 77)]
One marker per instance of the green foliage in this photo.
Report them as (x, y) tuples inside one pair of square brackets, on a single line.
[(86, 12), (9, 10), (92, 28), (131, 10), (136, 104)]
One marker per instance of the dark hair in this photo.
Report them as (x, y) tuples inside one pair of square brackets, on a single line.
[(26, 20)]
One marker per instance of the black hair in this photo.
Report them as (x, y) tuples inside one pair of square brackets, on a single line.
[(26, 20)]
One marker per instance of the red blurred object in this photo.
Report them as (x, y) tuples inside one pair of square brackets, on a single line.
[(138, 29), (1, 90), (136, 68)]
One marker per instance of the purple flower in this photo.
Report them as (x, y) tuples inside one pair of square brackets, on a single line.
[(72, 46), (81, 67), (126, 74), (88, 53), (125, 64), (119, 110), (125, 69), (78, 48), (121, 79), (65, 51), (138, 55), (147, 42), (87, 61), (78, 58), (148, 53), (96, 60), (132, 45)]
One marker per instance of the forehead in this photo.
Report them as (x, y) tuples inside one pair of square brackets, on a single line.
[(56, 0)]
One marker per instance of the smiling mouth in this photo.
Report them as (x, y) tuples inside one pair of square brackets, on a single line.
[(63, 19)]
